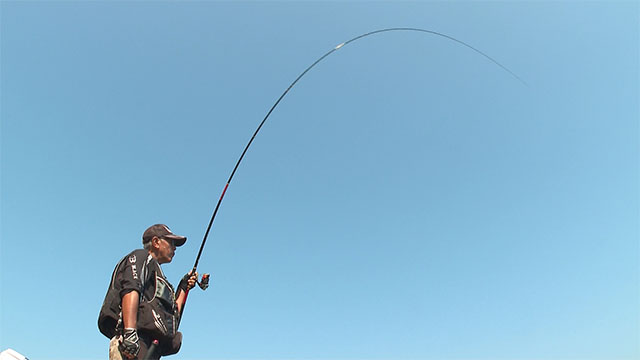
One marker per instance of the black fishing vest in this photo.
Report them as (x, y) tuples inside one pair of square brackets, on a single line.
[(157, 312)]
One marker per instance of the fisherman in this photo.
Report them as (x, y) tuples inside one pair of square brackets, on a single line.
[(141, 306)]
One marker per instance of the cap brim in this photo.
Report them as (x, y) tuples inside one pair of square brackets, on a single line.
[(177, 240)]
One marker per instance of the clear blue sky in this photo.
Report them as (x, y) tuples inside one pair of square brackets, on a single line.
[(407, 200)]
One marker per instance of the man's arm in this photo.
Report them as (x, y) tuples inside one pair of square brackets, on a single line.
[(130, 302), (130, 343), (187, 282), (131, 290)]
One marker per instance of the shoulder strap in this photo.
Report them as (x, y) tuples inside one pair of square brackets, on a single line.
[(144, 274)]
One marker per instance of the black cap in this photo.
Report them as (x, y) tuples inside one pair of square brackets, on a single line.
[(162, 231)]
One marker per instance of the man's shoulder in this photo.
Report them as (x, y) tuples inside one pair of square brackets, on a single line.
[(137, 254), (134, 257)]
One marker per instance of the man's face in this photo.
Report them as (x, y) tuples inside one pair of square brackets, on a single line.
[(165, 250)]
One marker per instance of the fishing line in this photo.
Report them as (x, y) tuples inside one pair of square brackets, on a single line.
[(340, 46)]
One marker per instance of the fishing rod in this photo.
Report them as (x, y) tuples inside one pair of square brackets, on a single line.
[(205, 280), (215, 211)]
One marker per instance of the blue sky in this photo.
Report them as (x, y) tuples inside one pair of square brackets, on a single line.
[(408, 199)]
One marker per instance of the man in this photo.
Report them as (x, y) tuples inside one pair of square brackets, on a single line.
[(141, 306)]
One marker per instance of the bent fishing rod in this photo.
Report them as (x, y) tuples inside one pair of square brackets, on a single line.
[(205, 280)]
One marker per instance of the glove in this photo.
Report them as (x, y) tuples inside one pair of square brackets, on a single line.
[(130, 343), (188, 281)]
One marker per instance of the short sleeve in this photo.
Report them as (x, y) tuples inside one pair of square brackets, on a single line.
[(131, 272)]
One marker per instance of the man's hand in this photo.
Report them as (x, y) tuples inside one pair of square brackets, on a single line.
[(188, 281), (130, 343)]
